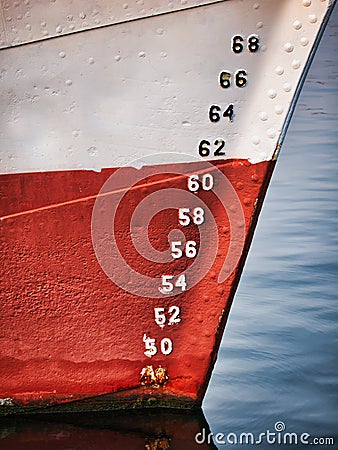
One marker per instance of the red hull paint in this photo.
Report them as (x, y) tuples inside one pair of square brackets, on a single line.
[(67, 331)]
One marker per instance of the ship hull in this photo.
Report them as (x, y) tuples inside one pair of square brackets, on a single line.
[(137, 146), (85, 336)]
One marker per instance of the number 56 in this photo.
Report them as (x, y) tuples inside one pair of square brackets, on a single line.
[(189, 249)]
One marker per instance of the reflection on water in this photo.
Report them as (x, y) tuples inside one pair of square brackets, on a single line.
[(150, 430)]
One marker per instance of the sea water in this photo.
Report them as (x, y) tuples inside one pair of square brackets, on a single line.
[(278, 361)]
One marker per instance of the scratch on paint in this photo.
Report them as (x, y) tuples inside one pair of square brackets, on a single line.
[(93, 197)]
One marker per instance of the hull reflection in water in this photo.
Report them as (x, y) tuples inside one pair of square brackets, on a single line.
[(150, 430)]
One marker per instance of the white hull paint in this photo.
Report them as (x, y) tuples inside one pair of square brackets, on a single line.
[(113, 94)]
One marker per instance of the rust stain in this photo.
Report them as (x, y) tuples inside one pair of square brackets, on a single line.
[(6, 401), (147, 376), (161, 443), (151, 377), (161, 375)]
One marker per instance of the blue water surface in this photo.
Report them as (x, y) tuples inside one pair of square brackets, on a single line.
[(279, 355)]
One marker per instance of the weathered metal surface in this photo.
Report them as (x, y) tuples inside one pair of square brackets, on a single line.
[(68, 327)]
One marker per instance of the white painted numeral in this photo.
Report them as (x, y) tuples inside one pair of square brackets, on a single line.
[(175, 312), (181, 282), (176, 252), (161, 318), (183, 216), (206, 183), (151, 348), (197, 216), (193, 184), (168, 286), (189, 249), (166, 346)]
